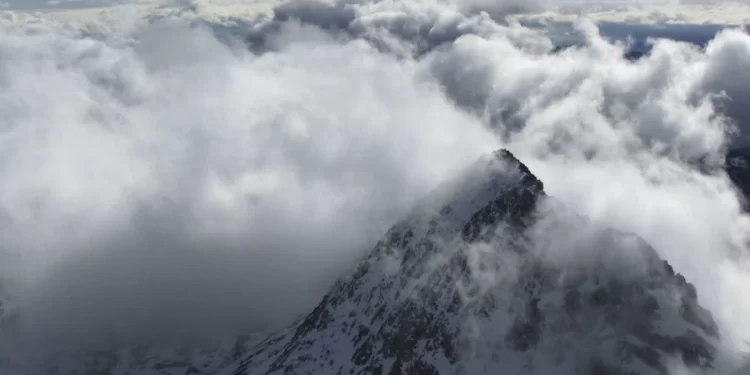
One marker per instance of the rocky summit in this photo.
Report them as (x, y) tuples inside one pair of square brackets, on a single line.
[(489, 275)]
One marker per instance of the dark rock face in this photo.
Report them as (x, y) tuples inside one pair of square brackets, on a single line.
[(468, 284), (738, 170)]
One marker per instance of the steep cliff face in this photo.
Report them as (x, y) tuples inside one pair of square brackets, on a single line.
[(488, 275)]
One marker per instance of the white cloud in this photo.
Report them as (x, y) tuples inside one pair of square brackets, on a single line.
[(140, 171), (724, 13), (155, 176)]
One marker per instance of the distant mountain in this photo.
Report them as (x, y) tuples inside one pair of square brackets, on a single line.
[(424, 301)]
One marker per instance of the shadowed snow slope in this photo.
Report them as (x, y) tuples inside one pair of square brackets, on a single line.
[(464, 262)]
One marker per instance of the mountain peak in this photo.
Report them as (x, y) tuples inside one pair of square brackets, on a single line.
[(498, 186), (505, 155), (464, 285)]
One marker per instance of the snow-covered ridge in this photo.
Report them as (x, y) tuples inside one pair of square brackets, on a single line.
[(467, 285)]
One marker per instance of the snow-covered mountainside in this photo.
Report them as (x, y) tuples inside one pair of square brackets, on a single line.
[(476, 281)]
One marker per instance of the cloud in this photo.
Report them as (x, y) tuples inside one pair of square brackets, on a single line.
[(161, 179), (658, 12), (179, 181)]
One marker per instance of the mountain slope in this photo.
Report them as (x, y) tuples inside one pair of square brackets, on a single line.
[(472, 283)]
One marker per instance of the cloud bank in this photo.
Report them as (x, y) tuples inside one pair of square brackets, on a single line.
[(161, 178), (194, 181)]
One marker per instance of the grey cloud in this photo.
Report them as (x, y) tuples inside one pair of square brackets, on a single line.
[(162, 180)]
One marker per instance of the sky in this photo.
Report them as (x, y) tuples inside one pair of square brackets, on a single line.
[(52, 4), (735, 12)]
